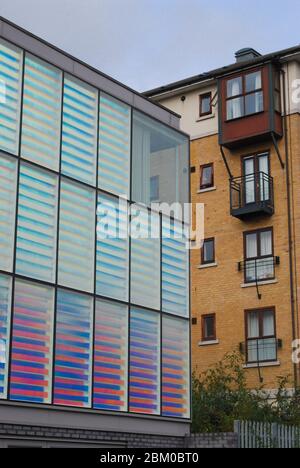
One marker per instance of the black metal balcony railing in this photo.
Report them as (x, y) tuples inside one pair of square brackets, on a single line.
[(261, 349), (259, 269), (251, 195)]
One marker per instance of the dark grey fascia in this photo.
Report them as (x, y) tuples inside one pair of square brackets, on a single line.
[(13, 413)]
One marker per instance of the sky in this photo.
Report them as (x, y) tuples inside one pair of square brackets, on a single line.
[(149, 43)]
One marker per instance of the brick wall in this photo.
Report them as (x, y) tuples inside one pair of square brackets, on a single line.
[(50, 437), (213, 441), (219, 289)]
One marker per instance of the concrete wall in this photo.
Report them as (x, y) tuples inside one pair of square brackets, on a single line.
[(189, 109)]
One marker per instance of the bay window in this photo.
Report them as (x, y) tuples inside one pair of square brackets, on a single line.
[(245, 95)]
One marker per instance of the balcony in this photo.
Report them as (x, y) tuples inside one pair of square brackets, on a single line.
[(252, 195), (259, 269), (261, 351)]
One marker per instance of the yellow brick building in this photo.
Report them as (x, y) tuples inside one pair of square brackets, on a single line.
[(244, 122)]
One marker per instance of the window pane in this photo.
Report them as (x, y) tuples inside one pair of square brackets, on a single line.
[(159, 151), (262, 350), (5, 312), (235, 87), (235, 108), (110, 356), (253, 81), (266, 247), (251, 246), (145, 259), (263, 163), (250, 180), (205, 104), (209, 327), (41, 113), (37, 224), (175, 368), (265, 268), (11, 64), (31, 361), (175, 269), (76, 237), (8, 177), (253, 350), (268, 323), (154, 188), (112, 248), (79, 139), (114, 146), (144, 362), (206, 176), (253, 324), (208, 251), (73, 349), (252, 270), (267, 350), (254, 103), (277, 101)]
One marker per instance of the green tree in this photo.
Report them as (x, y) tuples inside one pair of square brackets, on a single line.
[(221, 396)]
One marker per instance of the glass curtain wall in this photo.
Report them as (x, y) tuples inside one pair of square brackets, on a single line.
[(90, 317)]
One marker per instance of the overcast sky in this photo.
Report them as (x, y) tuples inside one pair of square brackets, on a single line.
[(148, 43)]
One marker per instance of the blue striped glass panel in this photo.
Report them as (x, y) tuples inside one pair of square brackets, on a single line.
[(114, 146), (11, 65), (31, 348), (41, 113), (76, 237), (37, 223), (144, 362), (112, 248), (145, 258), (79, 138), (8, 179), (175, 269), (73, 349), (110, 356), (175, 368), (5, 314)]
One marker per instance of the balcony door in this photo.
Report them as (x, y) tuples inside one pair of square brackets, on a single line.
[(256, 172)]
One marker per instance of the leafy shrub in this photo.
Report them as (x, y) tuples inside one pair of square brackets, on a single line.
[(221, 396)]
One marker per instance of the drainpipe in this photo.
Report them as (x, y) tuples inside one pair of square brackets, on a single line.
[(290, 227)]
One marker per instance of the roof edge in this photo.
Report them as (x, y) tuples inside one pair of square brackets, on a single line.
[(218, 72)]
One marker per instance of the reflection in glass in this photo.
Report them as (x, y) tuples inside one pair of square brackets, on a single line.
[(158, 151)]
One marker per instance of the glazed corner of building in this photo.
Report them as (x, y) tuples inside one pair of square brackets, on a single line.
[(53, 417)]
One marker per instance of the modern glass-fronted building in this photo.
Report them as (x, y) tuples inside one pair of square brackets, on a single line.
[(93, 325)]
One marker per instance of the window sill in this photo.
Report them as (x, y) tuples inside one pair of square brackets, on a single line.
[(256, 365), (210, 189), (206, 117), (209, 265), (208, 343), (260, 283)]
